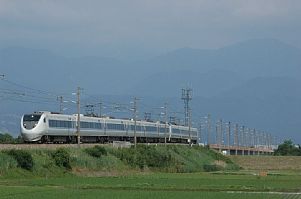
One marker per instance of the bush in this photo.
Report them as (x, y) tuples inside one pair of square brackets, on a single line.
[(212, 167), (6, 138), (23, 158), (219, 156), (232, 167), (148, 156), (288, 148), (96, 151), (62, 158)]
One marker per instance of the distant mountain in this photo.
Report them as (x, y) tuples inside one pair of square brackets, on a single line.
[(169, 83), (252, 58), (256, 82), (42, 69), (270, 104)]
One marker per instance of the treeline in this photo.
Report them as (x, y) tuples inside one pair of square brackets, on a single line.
[(288, 148), (8, 139), (172, 159)]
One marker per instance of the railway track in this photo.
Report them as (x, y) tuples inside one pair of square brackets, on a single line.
[(45, 146), (83, 145)]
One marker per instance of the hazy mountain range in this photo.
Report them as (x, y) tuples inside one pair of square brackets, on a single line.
[(255, 83)]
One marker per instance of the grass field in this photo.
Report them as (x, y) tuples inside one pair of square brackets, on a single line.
[(154, 185), (292, 163), (146, 172)]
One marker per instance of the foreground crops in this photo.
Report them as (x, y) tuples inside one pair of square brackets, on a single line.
[(197, 185)]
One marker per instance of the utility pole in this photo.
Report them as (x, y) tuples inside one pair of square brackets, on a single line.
[(236, 135), (254, 138), (189, 127), (100, 107), (172, 120), (236, 143), (243, 136), (200, 133), (246, 136), (135, 120), (165, 114), (270, 141), (243, 140), (248, 139), (216, 134), (229, 132), (220, 134), (90, 110), (60, 99), (208, 129), (187, 96), (147, 116), (78, 117)]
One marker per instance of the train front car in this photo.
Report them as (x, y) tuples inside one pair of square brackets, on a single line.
[(32, 127)]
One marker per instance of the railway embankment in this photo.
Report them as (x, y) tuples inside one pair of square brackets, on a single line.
[(266, 163), (52, 160)]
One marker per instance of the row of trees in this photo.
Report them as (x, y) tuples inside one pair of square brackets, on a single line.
[(288, 148), (8, 139)]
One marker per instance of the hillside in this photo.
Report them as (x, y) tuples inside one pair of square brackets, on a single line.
[(254, 83), (266, 163), (251, 58), (107, 160)]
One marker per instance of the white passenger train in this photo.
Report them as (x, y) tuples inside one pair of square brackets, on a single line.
[(48, 127)]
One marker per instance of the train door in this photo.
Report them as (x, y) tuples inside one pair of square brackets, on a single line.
[(170, 131), (68, 127)]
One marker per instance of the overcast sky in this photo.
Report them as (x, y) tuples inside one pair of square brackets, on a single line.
[(144, 27)]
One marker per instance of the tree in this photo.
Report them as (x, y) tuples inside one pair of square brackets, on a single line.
[(6, 138), (62, 158), (23, 158), (288, 148)]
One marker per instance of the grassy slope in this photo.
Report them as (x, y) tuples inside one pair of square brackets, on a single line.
[(111, 177), (292, 163), (118, 161)]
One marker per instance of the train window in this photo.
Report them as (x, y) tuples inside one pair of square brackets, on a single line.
[(60, 124), (162, 130), (176, 131), (138, 128), (31, 118), (151, 128), (97, 125), (115, 126)]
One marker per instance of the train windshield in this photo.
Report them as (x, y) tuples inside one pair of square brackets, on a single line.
[(31, 117)]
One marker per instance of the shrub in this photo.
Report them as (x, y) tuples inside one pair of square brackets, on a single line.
[(219, 156), (212, 167), (288, 148), (62, 158), (96, 151), (6, 138), (146, 156), (232, 167), (23, 158)]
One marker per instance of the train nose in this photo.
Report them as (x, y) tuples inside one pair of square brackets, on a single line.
[(30, 137)]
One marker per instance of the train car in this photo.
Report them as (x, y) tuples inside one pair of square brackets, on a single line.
[(49, 127)]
